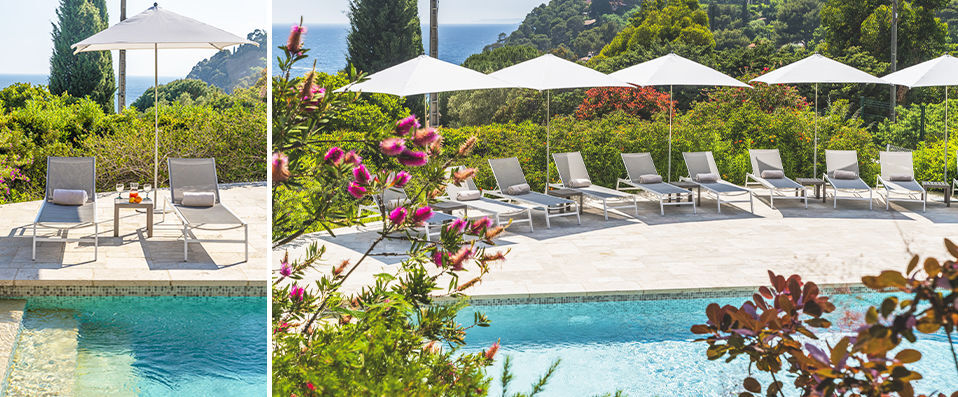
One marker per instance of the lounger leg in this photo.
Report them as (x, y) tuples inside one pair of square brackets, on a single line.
[(771, 198), (924, 201), (246, 242), (548, 225), (605, 209), (185, 243), (34, 241), (529, 212), (887, 204), (96, 241), (718, 203), (635, 203), (662, 206), (751, 203), (835, 205), (870, 199)]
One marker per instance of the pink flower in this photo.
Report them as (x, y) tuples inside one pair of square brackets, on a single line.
[(405, 125), (280, 167), (355, 190), (295, 41), (398, 215), (412, 158), (285, 270), (483, 223), (352, 157), (460, 257), (492, 351), (392, 147), (361, 175), (459, 225), (334, 155), (296, 293), (425, 137), (421, 215), (437, 258), (401, 179)]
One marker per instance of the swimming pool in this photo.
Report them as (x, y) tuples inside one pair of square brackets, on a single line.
[(643, 348), (141, 346)]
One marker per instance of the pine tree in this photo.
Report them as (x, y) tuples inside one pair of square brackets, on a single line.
[(383, 33), (88, 73)]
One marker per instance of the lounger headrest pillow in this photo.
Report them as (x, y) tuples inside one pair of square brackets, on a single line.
[(773, 174), (198, 199), (580, 182), (468, 195), (710, 177), (845, 174), (901, 178), (519, 189), (650, 178), (69, 197)]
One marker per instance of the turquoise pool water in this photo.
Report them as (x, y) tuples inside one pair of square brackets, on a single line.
[(643, 348), (141, 346)]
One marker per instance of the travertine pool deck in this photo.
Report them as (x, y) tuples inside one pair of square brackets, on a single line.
[(132, 259), (681, 250)]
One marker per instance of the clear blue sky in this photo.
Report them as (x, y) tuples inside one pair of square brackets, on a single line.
[(27, 44), (450, 11)]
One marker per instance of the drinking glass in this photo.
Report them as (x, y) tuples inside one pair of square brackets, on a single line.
[(134, 186), (147, 188), (119, 190)]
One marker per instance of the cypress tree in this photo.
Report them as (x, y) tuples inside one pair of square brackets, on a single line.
[(87, 73), (382, 33)]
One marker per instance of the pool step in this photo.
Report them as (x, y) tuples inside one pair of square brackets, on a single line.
[(11, 315), (105, 373), (45, 361)]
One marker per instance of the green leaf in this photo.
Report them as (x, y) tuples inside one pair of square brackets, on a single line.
[(888, 306), (752, 385), (932, 267), (908, 356), (914, 263)]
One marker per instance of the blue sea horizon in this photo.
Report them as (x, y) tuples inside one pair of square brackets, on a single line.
[(135, 85), (327, 43)]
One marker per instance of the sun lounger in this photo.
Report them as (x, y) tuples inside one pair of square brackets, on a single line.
[(191, 178), (638, 165), (498, 209), (509, 174), (76, 174), (846, 161), (575, 176), (701, 165), (394, 197), (767, 170), (897, 180), (954, 182)]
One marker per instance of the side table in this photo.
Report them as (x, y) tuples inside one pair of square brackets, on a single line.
[(568, 194), (448, 206), (690, 186), (818, 184), (146, 204), (928, 185)]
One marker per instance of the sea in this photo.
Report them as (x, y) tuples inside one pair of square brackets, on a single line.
[(327, 43), (135, 85)]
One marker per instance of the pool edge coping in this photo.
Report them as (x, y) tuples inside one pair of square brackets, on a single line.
[(17, 309)]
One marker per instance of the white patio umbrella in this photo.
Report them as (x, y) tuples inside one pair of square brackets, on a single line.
[(672, 70), (549, 72), (816, 69), (156, 29), (941, 71)]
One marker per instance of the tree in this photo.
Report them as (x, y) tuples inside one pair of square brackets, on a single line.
[(672, 22), (382, 33), (86, 74), (238, 68)]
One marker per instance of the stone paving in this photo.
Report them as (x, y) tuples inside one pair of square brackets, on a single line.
[(682, 250), (132, 259)]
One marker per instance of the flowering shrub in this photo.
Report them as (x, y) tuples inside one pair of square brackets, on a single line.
[(769, 331), (10, 174), (391, 337), (640, 101)]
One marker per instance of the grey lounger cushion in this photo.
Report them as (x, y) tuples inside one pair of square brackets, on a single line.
[(846, 175), (707, 177), (519, 189), (650, 178), (69, 196), (580, 182), (773, 174), (199, 199), (468, 195)]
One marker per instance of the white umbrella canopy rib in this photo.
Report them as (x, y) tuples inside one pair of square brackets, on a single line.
[(155, 29), (549, 72), (673, 70), (941, 71), (817, 69), (424, 75)]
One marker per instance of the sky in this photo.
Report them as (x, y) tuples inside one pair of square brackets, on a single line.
[(26, 27), (450, 11)]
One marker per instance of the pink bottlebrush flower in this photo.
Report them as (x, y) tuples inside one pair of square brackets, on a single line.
[(437, 258), (407, 124), (425, 137), (295, 41), (280, 167), (491, 353), (334, 155), (421, 215), (285, 270), (401, 179), (459, 225), (412, 158), (483, 223), (352, 157), (355, 190), (392, 147), (460, 257), (296, 293), (398, 215), (361, 175)]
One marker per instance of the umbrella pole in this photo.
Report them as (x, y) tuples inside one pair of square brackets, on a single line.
[(670, 134), (548, 134), (815, 149), (946, 134), (156, 116)]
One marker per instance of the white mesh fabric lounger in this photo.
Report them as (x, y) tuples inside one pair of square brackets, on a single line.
[(199, 176), (498, 209), (898, 178), (699, 163), (69, 173), (639, 164), (766, 162), (508, 173), (845, 160), (393, 197), (572, 168)]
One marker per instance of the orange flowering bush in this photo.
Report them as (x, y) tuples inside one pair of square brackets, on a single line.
[(639, 101)]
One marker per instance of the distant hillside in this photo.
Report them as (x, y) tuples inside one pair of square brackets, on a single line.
[(237, 68)]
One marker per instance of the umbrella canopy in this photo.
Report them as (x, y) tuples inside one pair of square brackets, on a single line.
[(941, 71), (424, 75), (157, 28), (675, 70), (154, 29)]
